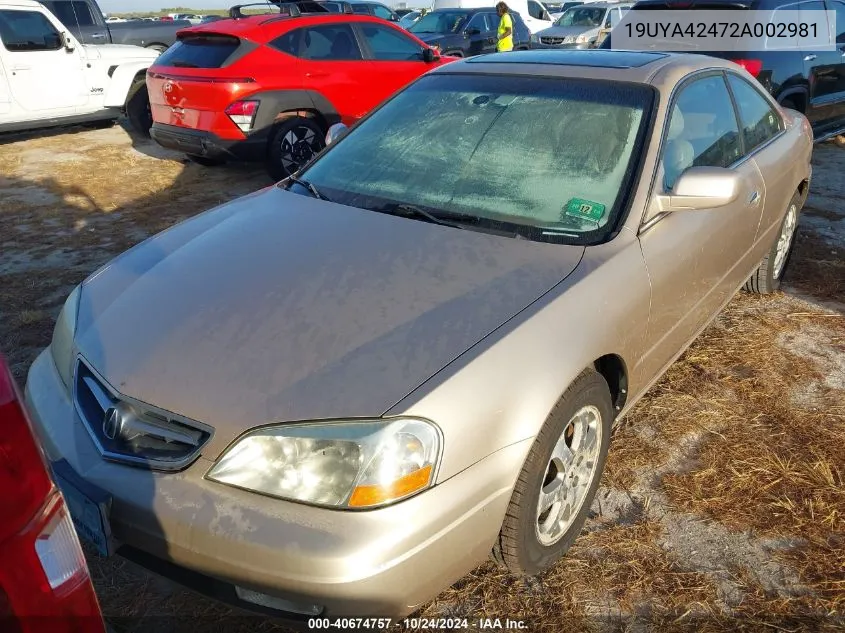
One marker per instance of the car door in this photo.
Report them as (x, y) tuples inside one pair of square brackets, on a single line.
[(45, 78), (481, 31), (761, 126), (697, 259), (334, 66), (79, 19), (394, 61), (5, 92)]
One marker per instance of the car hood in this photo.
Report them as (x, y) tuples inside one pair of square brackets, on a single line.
[(279, 307), (120, 52), (563, 31), (440, 38)]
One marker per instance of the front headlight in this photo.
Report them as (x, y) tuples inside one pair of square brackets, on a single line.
[(341, 464), (61, 347)]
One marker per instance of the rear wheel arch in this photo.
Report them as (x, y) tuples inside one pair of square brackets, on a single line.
[(794, 98)]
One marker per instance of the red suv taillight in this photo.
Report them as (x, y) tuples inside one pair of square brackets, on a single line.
[(753, 66), (242, 114), (44, 581)]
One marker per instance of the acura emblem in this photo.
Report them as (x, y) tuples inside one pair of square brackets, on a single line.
[(113, 421)]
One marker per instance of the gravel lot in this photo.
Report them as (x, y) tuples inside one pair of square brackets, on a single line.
[(723, 505)]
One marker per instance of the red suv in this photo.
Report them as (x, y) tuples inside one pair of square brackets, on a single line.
[(268, 87)]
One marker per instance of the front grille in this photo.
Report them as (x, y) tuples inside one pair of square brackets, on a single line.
[(133, 432), (556, 41)]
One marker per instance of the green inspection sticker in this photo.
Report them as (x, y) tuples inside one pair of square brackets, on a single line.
[(586, 209)]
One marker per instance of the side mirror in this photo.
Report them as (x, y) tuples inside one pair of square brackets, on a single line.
[(472, 31), (335, 133), (430, 55), (701, 188), (67, 41)]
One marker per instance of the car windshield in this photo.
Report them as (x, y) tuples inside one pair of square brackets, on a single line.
[(581, 16), (408, 19), (439, 22), (538, 158)]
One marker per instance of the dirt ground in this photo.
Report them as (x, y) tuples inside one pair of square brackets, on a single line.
[(723, 504)]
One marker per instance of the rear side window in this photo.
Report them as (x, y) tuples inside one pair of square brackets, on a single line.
[(759, 121), (361, 8), (200, 51), (382, 12), (389, 44), (76, 13), (330, 42), (28, 31)]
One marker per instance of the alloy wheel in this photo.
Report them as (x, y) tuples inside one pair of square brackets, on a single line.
[(787, 233)]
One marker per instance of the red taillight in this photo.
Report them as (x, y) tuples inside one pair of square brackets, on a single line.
[(24, 481), (44, 581), (753, 66), (242, 114)]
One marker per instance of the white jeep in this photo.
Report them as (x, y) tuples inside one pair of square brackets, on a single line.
[(48, 78)]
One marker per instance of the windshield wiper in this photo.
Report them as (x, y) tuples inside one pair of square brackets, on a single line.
[(412, 210), (309, 186)]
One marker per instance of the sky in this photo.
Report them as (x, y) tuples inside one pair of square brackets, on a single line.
[(125, 6)]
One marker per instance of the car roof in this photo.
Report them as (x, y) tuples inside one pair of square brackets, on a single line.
[(612, 65), (271, 24)]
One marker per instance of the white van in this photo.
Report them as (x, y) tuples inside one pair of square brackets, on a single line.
[(532, 12)]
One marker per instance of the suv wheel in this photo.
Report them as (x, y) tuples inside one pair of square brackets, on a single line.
[(138, 108), (295, 141)]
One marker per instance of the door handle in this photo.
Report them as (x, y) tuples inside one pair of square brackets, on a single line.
[(98, 36), (21, 67), (312, 75), (754, 198), (809, 58)]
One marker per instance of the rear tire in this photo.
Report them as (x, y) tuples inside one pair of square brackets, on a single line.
[(138, 108), (766, 279), (294, 142), (557, 483), (205, 161)]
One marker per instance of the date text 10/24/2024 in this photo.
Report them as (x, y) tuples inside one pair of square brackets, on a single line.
[(417, 624)]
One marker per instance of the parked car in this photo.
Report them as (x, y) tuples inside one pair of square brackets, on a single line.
[(279, 82), (559, 9), (811, 82), (51, 79), (212, 18), (466, 32), (84, 20), (583, 26), (533, 13), (44, 580), (338, 395)]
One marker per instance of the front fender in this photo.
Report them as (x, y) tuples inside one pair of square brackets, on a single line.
[(121, 80)]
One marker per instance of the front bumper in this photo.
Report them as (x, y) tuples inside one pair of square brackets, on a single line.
[(209, 145), (382, 562)]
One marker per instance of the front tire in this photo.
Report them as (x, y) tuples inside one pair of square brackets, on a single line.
[(293, 143), (138, 108), (557, 484), (766, 279)]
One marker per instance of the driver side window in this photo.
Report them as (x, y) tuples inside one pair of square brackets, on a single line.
[(24, 31), (703, 130), (478, 21), (535, 10)]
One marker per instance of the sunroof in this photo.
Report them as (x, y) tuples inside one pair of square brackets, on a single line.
[(599, 58)]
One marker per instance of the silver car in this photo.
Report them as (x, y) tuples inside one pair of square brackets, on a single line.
[(583, 26), (341, 393)]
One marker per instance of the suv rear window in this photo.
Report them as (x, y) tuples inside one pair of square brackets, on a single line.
[(200, 51)]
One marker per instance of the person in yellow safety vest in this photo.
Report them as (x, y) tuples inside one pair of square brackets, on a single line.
[(504, 35)]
